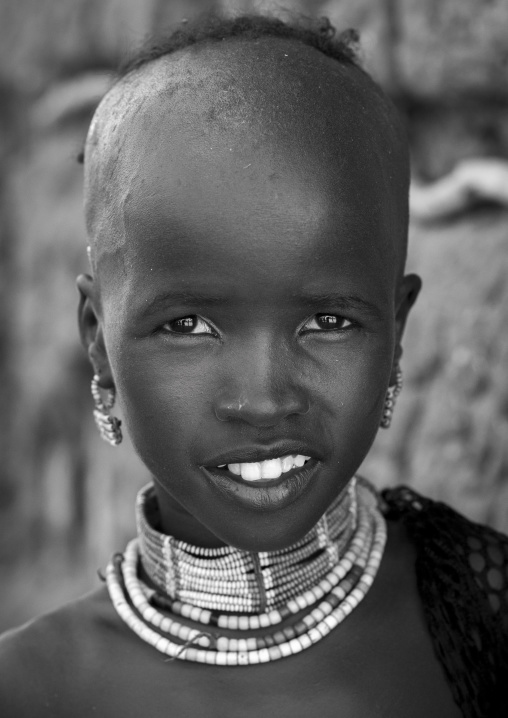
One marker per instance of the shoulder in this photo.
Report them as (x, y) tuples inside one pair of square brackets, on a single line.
[(462, 574), (454, 548), (412, 507), (438, 527), (49, 663)]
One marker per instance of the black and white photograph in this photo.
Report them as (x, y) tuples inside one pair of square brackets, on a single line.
[(253, 358)]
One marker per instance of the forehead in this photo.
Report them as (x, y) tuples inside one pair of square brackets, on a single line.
[(267, 132)]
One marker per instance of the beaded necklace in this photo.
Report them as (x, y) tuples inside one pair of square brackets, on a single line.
[(230, 580), (303, 592)]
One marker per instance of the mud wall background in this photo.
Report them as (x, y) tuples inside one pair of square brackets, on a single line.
[(66, 499)]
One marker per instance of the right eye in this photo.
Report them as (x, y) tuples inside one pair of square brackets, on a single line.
[(191, 324), (327, 323)]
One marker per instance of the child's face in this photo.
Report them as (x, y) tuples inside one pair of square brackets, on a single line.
[(253, 311)]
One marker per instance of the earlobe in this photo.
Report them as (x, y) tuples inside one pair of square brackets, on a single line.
[(91, 331)]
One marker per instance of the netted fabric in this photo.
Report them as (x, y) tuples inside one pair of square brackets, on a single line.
[(462, 575)]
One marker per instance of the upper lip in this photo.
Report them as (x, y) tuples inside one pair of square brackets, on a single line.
[(252, 453)]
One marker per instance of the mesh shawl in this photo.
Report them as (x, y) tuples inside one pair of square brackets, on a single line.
[(462, 576)]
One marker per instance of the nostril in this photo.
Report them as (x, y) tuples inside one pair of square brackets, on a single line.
[(227, 409), (259, 412)]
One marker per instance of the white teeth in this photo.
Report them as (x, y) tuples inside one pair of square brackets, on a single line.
[(287, 463), (269, 469), (251, 471)]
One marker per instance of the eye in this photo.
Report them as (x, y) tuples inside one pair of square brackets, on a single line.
[(191, 324), (326, 322)]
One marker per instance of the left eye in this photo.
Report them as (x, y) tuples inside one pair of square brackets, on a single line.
[(327, 322), (191, 324)]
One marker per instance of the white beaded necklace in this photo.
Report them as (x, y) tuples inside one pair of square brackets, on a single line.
[(231, 580), (325, 575)]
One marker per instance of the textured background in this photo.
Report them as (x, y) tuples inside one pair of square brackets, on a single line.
[(66, 499)]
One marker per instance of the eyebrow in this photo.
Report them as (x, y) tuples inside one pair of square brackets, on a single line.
[(342, 302), (165, 299)]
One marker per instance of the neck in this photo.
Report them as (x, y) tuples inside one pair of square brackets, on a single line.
[(226, 578), (172, 518)]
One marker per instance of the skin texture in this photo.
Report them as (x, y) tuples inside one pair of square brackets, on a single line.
[(283, 200), (82, 661), (264, 184)]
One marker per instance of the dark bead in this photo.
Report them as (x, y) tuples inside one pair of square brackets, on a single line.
[(300, 628), (288, 632), (279, 637), (284, 612), (333, 600)]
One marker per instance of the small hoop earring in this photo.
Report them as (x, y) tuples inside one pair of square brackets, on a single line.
[(390, 399), (109, 426)]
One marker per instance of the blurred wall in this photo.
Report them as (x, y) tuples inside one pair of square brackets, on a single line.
[(66, 499)]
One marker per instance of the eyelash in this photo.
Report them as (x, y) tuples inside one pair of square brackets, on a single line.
[(197, 319), (193, 317), (340, 319)]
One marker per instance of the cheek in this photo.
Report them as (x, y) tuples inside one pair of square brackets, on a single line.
[(355, 373), (349, 388), (165, 403), (366, 388)]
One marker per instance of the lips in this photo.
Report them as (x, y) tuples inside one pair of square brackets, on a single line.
[(258, 454), (268, 469), (264, 493), (270, 494)]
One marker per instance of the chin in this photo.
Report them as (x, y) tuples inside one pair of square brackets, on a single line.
[(270, 532)]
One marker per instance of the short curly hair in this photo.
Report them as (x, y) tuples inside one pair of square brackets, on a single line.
[(215, 27)]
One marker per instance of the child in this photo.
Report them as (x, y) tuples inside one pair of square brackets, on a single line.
[(246, 203)]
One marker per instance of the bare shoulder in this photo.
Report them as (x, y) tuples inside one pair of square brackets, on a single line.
[(51, 662), (81, 661)]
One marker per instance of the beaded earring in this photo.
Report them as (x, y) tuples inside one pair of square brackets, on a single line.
[(109, 426), (390, 399)]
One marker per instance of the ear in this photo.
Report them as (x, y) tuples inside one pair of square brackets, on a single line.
[(91, 330), (407, 293)]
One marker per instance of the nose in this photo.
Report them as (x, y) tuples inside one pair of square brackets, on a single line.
[(262, 391)]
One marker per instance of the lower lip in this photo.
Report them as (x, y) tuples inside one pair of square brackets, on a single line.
[(266, 494)]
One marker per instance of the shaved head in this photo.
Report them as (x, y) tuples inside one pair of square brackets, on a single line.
[(239, 111)]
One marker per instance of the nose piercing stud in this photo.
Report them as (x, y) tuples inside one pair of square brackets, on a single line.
[(109, 426), (390, 399)]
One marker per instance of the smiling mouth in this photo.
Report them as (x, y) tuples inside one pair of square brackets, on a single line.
[(271, 492), (268, 470), (264, 475)]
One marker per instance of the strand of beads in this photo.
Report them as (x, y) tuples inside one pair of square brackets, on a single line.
[(297, 600), (311, 629), (340, 596), (193, 574), (282, 580)]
